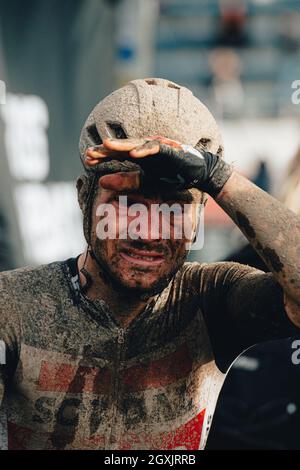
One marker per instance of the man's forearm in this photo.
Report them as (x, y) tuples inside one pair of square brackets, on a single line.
[(271, 228)]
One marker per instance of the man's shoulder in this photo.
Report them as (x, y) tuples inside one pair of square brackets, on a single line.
[(193, 272), (29, 280), (196, 267)]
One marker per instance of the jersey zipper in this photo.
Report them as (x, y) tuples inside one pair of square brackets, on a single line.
[(112, 434)]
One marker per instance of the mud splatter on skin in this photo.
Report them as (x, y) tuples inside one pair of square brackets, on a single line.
[(270, 255), (113, 274), (244, 223), (273, 259)]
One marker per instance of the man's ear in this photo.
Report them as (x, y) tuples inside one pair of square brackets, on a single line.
[(82, 188)]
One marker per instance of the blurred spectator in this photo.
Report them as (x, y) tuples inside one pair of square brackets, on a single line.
[(233, 16), (226, 86), (262, 176)]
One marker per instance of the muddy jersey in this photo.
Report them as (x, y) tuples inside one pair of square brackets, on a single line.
[(74, 379)]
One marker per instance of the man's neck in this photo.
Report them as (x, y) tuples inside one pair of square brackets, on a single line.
[(123, 307)]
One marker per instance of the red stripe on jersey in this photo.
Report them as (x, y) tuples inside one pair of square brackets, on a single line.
[(185, 437), (73, 379), (159, 373)]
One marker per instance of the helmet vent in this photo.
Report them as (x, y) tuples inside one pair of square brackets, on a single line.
[(94, 135), (171, 85), (151, 82), (203, 143), (117, 131)]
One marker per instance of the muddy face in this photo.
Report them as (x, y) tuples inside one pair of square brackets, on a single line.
[(147, 262)]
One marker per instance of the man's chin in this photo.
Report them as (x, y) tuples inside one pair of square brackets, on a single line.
[(137, 282), (140, 287)]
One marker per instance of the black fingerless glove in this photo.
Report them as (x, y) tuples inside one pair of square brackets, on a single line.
[(185, 167)]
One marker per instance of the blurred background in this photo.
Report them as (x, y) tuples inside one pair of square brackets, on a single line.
[(241, 58)]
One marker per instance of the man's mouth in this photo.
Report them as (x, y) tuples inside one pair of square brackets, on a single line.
[(142, 257)]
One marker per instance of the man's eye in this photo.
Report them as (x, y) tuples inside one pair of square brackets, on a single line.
[(131, 202)]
